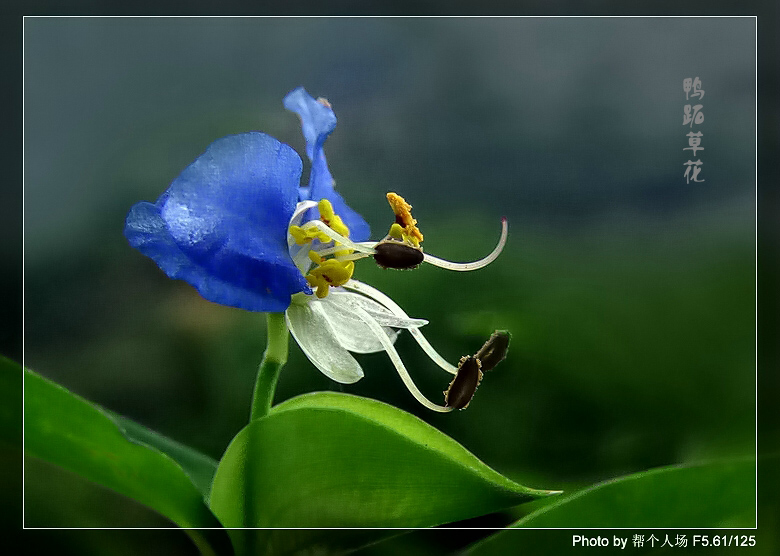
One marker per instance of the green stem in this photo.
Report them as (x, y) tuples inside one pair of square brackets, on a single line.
[(274, 358)]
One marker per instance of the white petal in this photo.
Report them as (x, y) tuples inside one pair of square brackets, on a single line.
[(300, 253), (317, 339), (300, 208), (384, 316), (351, 332)]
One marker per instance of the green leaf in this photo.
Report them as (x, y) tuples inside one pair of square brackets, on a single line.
[(718, 494), (336, 460), (199, 467), (66, 430)]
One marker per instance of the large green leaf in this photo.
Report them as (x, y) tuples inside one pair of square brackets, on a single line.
[(198, 467), (719, 494), (336, 460), (66, 430)]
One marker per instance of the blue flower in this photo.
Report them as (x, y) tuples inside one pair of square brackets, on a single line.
[(222, 224), (237, 225)]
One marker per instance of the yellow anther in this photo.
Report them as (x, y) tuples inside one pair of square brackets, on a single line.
[(326, 211), (403, 217), (330, 272), (396, 231), (299, 235), (319, 283), (312, 232), (322, 289), (331, 219), (338, 226), (307, 234), (335, 272), (349, 270)]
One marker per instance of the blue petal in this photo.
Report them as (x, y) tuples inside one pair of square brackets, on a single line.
[(317, 119), (317, 122), (222, 224)]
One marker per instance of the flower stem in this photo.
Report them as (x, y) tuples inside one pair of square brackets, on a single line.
[(274, 358)]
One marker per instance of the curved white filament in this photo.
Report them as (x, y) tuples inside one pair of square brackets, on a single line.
[(346, 242), (335, 249), (351, 257), (474, 265), (377, 295), (396, 359)]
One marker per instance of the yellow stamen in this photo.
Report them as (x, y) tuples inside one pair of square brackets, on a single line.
[(326, 211), (303, 236), (403, 217), (338, 226), (330, 272), (299, 235), (331, 219), (327, 272), (315, 258), (396, 231), (335, 272)]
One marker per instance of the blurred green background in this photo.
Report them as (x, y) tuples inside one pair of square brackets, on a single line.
[(629, 293)]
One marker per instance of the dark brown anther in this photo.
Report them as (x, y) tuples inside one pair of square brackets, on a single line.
[(394, 254), (495, 349), (465, 383)]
